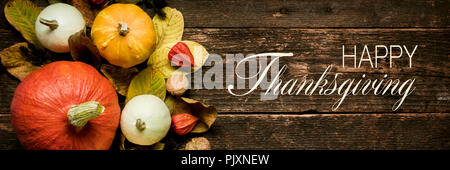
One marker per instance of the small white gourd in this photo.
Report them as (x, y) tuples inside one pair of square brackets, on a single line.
[(56, 23), (145, 120)]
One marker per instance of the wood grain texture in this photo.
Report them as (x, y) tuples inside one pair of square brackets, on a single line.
[(315, 32), (313, 13), (344, 131), (309, 13), (313, 51), (316, 49)]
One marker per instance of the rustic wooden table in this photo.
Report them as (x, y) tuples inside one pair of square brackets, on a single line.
[(314, 30)]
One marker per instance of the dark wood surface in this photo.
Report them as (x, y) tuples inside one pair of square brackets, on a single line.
[(314, 31), (312, 131)]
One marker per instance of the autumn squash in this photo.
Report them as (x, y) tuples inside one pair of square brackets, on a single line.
[(124, 35), (65, 106)]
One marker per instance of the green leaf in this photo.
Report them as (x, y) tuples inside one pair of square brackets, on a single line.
[(148, 81), (22, 15), (18, 60), (170, 29), (159, 60)]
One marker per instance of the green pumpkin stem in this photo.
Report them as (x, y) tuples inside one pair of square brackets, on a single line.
[(79, 115)]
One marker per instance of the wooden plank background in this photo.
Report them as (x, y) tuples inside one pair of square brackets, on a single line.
[(314, 30)]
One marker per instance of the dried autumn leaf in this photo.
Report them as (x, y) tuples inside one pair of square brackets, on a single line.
[(170, 102), (159, 60), (148, 81), (207, 114), (126, 145), (119, 77), (19, 60), (22, 15), (169, 28), (88, 11), (199, 143), (83, 49), (128, 1)]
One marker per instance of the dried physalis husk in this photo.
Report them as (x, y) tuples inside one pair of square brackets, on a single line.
[(199, 143), (177, 84), (183, 123)]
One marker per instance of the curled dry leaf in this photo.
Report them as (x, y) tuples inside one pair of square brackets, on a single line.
[(89, 11), (207, 114), (20, 60), (22, 15), (199, 143), (119, 77), (83, 49), (170, 102), (126, 145), (148, 81)]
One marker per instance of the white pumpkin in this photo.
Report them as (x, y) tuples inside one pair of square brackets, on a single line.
[(145, 120), (56, 23)]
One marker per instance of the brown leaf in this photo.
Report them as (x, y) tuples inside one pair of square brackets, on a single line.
[(207, 114), (83, 49), (199, 143), (20, 60), (126, 145), (119, 77), (170, 102), (88, 11)]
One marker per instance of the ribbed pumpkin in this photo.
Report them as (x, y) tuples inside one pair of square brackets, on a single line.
[(124, 35), (65, 106)]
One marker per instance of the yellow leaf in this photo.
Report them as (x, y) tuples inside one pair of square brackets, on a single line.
[(148, 81), (22, 15), (170, 29), (159, 60)]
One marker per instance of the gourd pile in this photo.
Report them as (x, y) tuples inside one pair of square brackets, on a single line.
[(83, 60)]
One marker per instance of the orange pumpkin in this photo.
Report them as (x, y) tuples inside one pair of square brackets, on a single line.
[(65, 106), (124, 35)]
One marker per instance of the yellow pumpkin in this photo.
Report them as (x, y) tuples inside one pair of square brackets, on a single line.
[(124, 35)]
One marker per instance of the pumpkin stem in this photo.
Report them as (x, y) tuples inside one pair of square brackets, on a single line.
[(140, 125), (52, 24), (123, 29), (79, 115)]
